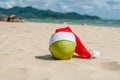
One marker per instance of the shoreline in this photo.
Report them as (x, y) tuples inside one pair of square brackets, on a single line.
[(62, 24), (114, 23)]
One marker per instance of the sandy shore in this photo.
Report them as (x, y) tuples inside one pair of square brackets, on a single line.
[(24, 53)]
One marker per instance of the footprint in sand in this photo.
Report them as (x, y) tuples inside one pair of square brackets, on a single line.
[(114, 66)]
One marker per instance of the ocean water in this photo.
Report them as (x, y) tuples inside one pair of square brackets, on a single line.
[(112, 23)]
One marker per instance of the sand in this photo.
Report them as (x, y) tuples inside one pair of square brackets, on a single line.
[(24, 53)]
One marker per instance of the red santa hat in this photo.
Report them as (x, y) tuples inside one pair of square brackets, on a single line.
[(67, 34)]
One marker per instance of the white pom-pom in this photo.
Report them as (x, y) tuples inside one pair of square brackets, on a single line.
[(95, 54)]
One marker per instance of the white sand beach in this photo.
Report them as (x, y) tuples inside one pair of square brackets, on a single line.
[(24, 53)]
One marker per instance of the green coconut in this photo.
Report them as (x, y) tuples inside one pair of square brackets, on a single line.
[(62, 49)]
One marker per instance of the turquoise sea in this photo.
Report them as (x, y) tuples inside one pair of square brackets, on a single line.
[(112, 23)]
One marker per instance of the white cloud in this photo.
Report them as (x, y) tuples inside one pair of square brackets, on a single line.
[(88, 7), (7, 4), (107, 4), (116, 7), (66, 7)]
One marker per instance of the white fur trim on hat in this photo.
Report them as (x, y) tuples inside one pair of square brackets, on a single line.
[(62, 36), (95, 54)]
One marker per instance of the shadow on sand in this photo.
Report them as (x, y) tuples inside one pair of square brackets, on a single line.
[(45, 57), (50, 57)]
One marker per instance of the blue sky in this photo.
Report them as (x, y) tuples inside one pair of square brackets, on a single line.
[(107, 9)]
